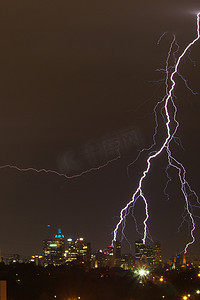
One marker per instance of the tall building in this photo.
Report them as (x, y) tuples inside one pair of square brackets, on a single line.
[(83, 249), (117, 250), (53, 249), (179, 261), (157, 255), (98, 259), (70, 252), (127, 261), (104, 258), (117, 253), (109, 251), (109, 257), (143, 254), (79, 250)]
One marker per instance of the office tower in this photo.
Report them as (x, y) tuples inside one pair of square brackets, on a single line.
[(70, 252), (143, 254), (117, 249), (83, 249), (127, 261), (157, 255), (53, 249), (117, 253), (78, 250), (109, 251)]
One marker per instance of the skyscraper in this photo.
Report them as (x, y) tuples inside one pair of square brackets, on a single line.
[(53, 249), (70, 252), (157, 255), (79, 250), (83, 249), (117, 249), (143, 254), (117, 253)]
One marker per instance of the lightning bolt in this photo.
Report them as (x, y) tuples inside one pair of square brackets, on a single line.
[(171, 125), (53, 172)]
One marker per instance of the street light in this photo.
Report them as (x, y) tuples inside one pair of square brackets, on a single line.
[(143, 272), (161, 279)]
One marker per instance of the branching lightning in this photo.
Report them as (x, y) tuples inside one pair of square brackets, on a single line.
[(171, 124)]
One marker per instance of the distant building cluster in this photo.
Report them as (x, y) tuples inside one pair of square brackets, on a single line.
[(58, 250)]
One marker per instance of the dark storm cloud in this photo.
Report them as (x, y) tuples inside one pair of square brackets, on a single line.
[(74, 77), (75, 56), (96, 153)]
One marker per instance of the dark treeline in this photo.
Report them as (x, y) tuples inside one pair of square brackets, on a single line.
[(30, 282)]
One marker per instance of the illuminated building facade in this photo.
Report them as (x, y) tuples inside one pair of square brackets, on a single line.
[(109, 251), (109, 257), (70, 252), (99, 259), (117, 250), (117, 253), (143, 254), (109, 260), (13, 259), (127, 261), (54, 249), (103, 258), (179, 261), (78, 250), (157, 255), (36, 259), (83, 249)]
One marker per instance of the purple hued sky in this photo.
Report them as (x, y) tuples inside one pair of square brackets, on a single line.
[(77, 81)]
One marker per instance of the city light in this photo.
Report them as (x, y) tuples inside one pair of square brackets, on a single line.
[(161, 279), (143, 272), (53, 245)]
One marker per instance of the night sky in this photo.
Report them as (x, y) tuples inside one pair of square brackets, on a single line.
[(76, 87)]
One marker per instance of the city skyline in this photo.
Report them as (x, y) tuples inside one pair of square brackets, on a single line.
[(57, 249)]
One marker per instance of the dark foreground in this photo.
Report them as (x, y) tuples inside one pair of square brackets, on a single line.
[(28, 282)]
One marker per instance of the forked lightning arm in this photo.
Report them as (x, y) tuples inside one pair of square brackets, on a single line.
[(172, 162)]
